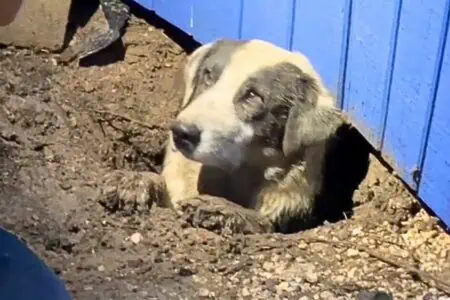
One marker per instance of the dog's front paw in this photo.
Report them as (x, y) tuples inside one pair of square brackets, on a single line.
[(222, 216), (131, 191)]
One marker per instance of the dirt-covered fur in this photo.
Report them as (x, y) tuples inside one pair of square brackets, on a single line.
[(254, 126)]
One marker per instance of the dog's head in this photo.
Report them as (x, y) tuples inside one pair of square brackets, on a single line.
[(244, 102)]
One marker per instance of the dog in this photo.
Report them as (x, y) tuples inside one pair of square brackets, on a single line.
[(254, 127)]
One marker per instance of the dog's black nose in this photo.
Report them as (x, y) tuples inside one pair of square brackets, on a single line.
[(186, 136)]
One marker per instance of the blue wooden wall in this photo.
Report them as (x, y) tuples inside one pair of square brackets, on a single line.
[(387, 61)]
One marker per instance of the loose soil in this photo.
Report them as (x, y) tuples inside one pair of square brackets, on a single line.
[(63, 127)]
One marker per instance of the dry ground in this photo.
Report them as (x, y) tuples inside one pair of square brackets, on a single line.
[(63, 127)]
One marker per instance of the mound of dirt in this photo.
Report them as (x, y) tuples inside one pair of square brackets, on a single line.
[(62, 128)]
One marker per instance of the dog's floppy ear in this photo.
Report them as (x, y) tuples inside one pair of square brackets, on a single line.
[(308, 122), (186, 77)]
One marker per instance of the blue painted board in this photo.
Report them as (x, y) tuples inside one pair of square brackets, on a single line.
[(417, 60), (434, 186), (177, 12), (269, 20), (369, 63), (319, 34), (216, 19)]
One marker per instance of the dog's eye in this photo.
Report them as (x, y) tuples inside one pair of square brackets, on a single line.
[(252, 96)]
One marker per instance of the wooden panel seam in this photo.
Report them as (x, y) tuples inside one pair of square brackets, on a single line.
[(389, 73), (436, 81), (344, 54)]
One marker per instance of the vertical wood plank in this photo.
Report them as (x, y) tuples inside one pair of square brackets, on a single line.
[(269, 20), (216, 19), (177, 12), (369, 63), (319, 34), (434, 186), (417, 60)]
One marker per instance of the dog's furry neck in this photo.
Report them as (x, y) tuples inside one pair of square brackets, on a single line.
[(257, 176)]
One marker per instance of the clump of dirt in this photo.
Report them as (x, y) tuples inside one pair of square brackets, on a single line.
[(64, 127)]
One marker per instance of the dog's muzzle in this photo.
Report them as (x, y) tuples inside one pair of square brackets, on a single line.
[(186, 137)]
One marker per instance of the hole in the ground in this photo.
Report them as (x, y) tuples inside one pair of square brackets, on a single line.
[(346, 167)]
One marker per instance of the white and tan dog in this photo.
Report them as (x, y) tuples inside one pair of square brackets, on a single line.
[(254, 127)]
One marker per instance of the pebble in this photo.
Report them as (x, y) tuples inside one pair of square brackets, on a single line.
[(327, 295), (352, 252), (101, 268), (202, 292), (357, 231), (136, 238), (66, 186), (311, 277), (284, 286), (245, 292), (268, 266), (302, 245)]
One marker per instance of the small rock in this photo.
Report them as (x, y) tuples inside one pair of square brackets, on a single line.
[(302, 245), (327, 295), (202, 292), (132, 288), (268, 266), (352, 273), (101, 268), (433, 291), (284, 286), (270, 284), (352, 252), (428, 296), (245, 292), (136, 238), (88, 87), (143, 294), (136, 263), (356, 231), (66, 186), (311, 277)]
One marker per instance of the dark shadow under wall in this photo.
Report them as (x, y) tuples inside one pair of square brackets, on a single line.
[(346, 166)]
